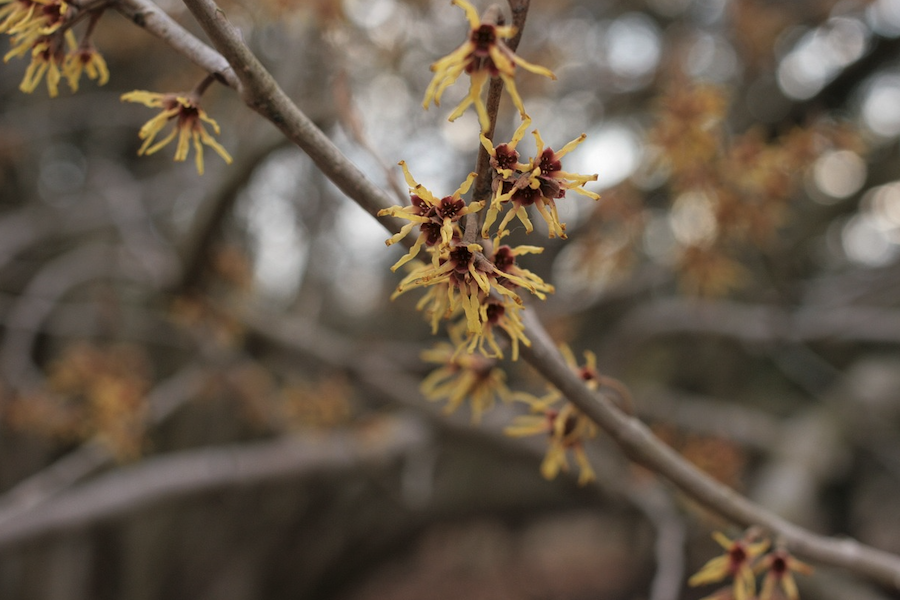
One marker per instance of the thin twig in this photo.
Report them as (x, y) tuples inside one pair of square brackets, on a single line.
[(481, 190), (149, 16)]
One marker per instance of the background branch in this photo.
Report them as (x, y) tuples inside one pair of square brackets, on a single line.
[(192, 472)]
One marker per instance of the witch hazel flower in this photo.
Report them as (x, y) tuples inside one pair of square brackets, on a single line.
[(48, 55), (85, 60), (437, 218), (503, 312), (567, 430), (737, 563), (31, 18), (482, 56), (462, 376), (461, 277), (189, 119), (778, 582), (42, 29), (539, 183)]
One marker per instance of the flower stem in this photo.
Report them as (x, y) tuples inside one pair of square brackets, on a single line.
[(482, 187)]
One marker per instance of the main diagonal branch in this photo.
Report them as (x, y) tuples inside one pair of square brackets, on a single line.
[(262, 93)]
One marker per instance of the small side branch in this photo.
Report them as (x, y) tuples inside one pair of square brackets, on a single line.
[(263, 94), (149, 16)]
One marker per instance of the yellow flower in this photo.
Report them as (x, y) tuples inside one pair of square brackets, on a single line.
[(460, 277), (778, 566), (437, 219), (539, 183), (483, 55), (505, 315), (189, 119), (463, 376), (47, 58), (15, 12), (567, 429), (504, 260), (32, 17), (737, 562), (85, 59)]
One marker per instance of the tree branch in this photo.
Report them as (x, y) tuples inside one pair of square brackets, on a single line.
[(263, 95), (149, 16), (196, 471), (639, 443), (27, 495)]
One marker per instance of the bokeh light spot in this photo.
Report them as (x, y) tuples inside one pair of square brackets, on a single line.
[(839, 174)]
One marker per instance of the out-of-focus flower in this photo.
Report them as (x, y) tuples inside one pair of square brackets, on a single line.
[(47, 59), (737, 562), (85, 59), (482, 56), (463, 375), (189, 119), (567, 429), (709, 271), (31, 18), (437, 219), (779, 580), (689, 131)]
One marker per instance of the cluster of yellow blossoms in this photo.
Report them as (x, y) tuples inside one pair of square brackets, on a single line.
[(43, 29), (745, 558), (471, 277)]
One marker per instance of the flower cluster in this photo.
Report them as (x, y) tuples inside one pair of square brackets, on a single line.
[(438, 220), (745, 558), (567, 428), (470, 275), (730, 190), (538, 183), (42, 29), (91, 391), (478, 281), (480, 278)]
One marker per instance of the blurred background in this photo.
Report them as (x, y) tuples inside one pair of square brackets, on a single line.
[(206, 393)]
